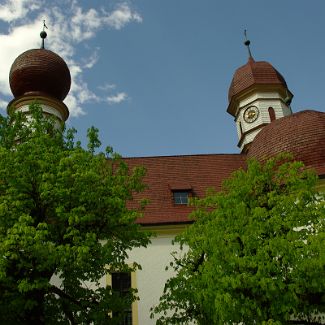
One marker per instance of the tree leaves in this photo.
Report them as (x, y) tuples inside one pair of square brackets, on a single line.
[(262, 240), (63, 215)]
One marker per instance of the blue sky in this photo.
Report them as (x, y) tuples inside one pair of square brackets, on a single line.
[(153, 75)]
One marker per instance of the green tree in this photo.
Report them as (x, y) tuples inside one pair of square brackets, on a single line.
[(256, 252), (63, 220)]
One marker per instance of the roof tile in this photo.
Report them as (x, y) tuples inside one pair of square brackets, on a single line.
[(254, 72), (302, 134), (200, 172)]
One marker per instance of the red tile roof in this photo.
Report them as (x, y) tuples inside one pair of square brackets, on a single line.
[(302, 134), (195, 172), (254, 73)]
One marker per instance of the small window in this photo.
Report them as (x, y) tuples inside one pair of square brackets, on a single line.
[(240, 128), (181, 197), (271, 113), (121, 283)]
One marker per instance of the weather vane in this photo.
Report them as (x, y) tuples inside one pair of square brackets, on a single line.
[(43, 34), (247, 43)]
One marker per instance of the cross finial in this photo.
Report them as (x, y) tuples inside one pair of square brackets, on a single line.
[(247, 43), (44, 25), (43, 34)]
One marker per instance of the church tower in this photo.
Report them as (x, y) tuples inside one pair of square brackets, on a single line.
[(42, 76), (258, 94)]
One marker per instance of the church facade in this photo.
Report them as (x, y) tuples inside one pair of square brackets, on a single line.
[(259, 101)]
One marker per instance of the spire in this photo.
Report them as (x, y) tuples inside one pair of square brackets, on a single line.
[(247, 43), (43, 34)]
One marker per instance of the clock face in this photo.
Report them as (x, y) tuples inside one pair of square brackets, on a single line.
[(251, 114)]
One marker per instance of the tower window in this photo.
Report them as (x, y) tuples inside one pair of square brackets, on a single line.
[(181, 197), (240, 128), (271, 113)]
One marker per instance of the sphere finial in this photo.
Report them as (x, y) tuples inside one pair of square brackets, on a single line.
[(247, 43), (43, 34)]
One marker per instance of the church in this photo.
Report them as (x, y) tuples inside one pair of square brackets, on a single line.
[(259, 100)]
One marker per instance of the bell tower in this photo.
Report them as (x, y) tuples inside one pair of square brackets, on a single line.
[(42, 76), (258, 94)]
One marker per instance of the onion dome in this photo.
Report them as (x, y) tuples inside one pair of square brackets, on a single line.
[(255, 78), (254, 73), (40, 71), (302, 134)]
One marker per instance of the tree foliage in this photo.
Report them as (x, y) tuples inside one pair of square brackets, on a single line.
[(256, 252), (64, 224)]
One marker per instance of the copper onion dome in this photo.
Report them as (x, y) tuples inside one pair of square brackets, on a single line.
[(40, 71), (302, 134)]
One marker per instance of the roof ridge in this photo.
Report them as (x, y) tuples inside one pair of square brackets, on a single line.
[(187, 155)]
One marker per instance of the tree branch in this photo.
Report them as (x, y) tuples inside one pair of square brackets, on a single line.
[(64, 295), (198, 262)]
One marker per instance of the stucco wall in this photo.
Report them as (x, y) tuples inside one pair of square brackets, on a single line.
[(151, 279)]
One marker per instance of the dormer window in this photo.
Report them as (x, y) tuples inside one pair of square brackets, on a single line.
[(181, 197), (181, 192)]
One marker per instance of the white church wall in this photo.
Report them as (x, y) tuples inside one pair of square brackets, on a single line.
[(153, 276), (150, 280)]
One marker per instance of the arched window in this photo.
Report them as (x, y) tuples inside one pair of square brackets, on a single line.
[(271, 114)]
